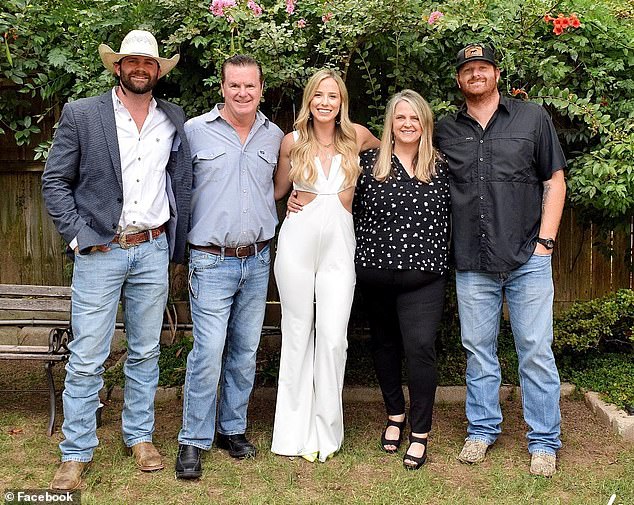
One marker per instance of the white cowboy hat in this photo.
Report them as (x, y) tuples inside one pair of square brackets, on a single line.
[(137, 43)]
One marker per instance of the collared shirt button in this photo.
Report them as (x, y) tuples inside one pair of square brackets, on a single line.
[(483, 235), (481, 141), (481, 198), (135, 202), (139, 158), (482, 177), (481, 216), (134, 222), (481, 159)]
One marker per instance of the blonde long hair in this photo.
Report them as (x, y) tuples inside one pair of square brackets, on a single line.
[(425, 161), (302, 153)]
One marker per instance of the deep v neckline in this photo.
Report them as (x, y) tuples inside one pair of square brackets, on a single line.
[(321, 167)]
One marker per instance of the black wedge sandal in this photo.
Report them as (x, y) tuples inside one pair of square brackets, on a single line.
[(388, 441), (418, 462)]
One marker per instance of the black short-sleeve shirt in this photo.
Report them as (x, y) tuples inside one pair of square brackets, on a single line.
[(496, 178), (401, 223)]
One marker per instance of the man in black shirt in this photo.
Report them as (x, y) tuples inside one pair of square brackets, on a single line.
[(507, 193)]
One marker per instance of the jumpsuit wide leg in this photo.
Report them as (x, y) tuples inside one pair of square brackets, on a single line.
[(315, 274)]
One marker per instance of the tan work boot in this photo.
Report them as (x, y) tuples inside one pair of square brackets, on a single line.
[(473, 451), (147, 457), (68, 476), (543, 464)]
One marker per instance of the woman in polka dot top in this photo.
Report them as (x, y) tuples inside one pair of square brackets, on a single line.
[(401, 215)]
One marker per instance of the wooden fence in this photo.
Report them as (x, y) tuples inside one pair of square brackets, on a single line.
[(31, 251)]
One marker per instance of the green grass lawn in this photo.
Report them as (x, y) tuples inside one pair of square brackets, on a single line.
[(593, 463)]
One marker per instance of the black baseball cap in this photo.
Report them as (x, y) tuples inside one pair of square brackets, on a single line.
[(475, 52)]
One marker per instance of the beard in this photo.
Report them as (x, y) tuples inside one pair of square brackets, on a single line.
[(480, 94), (139, 89)]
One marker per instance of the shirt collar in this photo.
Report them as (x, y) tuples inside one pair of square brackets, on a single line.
[(214, 114), (505, 104), (118, 104)]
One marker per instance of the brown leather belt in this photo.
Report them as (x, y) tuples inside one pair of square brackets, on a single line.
[(242, 251), (127, 240)]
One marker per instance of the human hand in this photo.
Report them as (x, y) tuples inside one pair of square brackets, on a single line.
[(100, 248), (293, 204)]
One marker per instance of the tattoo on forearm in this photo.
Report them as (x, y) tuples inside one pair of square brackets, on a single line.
[(545, 195)]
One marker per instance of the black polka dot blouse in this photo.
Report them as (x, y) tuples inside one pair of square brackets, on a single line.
[(401, 223)]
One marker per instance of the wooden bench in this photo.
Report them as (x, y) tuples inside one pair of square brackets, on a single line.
[(24, 305)]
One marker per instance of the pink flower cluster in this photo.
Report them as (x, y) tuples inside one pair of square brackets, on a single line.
[(301, 23), (255, 8), (218, 7), (435, 16), (327, 17), (290, 6)]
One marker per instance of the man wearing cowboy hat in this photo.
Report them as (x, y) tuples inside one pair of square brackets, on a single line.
[(117, 184)]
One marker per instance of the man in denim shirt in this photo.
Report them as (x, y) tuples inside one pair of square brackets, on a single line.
[(507, 195), (234, 150)]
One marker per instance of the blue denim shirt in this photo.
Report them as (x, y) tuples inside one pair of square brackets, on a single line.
[(232, 192)]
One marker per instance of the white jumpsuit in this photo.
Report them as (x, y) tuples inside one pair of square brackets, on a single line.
[(314, 270)]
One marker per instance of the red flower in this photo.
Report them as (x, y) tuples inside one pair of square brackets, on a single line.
[(558, 30)]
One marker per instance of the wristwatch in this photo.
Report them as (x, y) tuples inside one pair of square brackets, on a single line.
[(548, 243)]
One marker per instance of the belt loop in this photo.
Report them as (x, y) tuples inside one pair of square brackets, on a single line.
[(255, 247), (222, 253), (150, 236)]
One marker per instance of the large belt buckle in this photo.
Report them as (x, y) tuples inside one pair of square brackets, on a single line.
[(123, 241), (241, 255)]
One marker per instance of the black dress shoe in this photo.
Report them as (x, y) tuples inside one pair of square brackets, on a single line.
[(237, 445), (188, 464)]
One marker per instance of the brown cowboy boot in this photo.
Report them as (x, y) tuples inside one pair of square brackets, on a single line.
[(147, 457), (68, 476)]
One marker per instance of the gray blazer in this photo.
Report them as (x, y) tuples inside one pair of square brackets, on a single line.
[(82, 185)]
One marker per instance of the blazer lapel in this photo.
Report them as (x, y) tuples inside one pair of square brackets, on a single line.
[(106, 114)]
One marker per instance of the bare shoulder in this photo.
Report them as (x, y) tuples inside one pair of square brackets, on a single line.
[(287, 143), (365, 138)]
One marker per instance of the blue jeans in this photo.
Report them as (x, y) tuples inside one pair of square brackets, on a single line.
[(98, 280), (529, 294), (228, 299)]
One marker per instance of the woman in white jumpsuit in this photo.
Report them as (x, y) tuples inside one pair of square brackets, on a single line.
[(314, 269)]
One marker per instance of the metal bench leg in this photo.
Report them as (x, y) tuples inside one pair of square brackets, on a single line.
[(51, 397)]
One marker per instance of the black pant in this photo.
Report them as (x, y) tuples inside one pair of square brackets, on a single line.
[(404, 308)]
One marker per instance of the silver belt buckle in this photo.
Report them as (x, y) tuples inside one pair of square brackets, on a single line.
[(239, 255)]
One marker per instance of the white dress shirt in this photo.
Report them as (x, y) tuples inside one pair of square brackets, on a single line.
[(144, 156)]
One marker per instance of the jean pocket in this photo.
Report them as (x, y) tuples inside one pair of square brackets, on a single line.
[(161, 242), (264, 256)]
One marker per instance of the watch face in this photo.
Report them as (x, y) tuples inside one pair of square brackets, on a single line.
[(548, 243)]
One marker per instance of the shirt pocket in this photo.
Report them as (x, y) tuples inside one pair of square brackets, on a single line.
[(211, 164), (266, 163), (513, 155)]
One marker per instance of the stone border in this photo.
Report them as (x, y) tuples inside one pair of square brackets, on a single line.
[(616, 420)]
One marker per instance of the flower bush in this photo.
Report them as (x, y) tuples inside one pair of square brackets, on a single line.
[(578, 64)]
